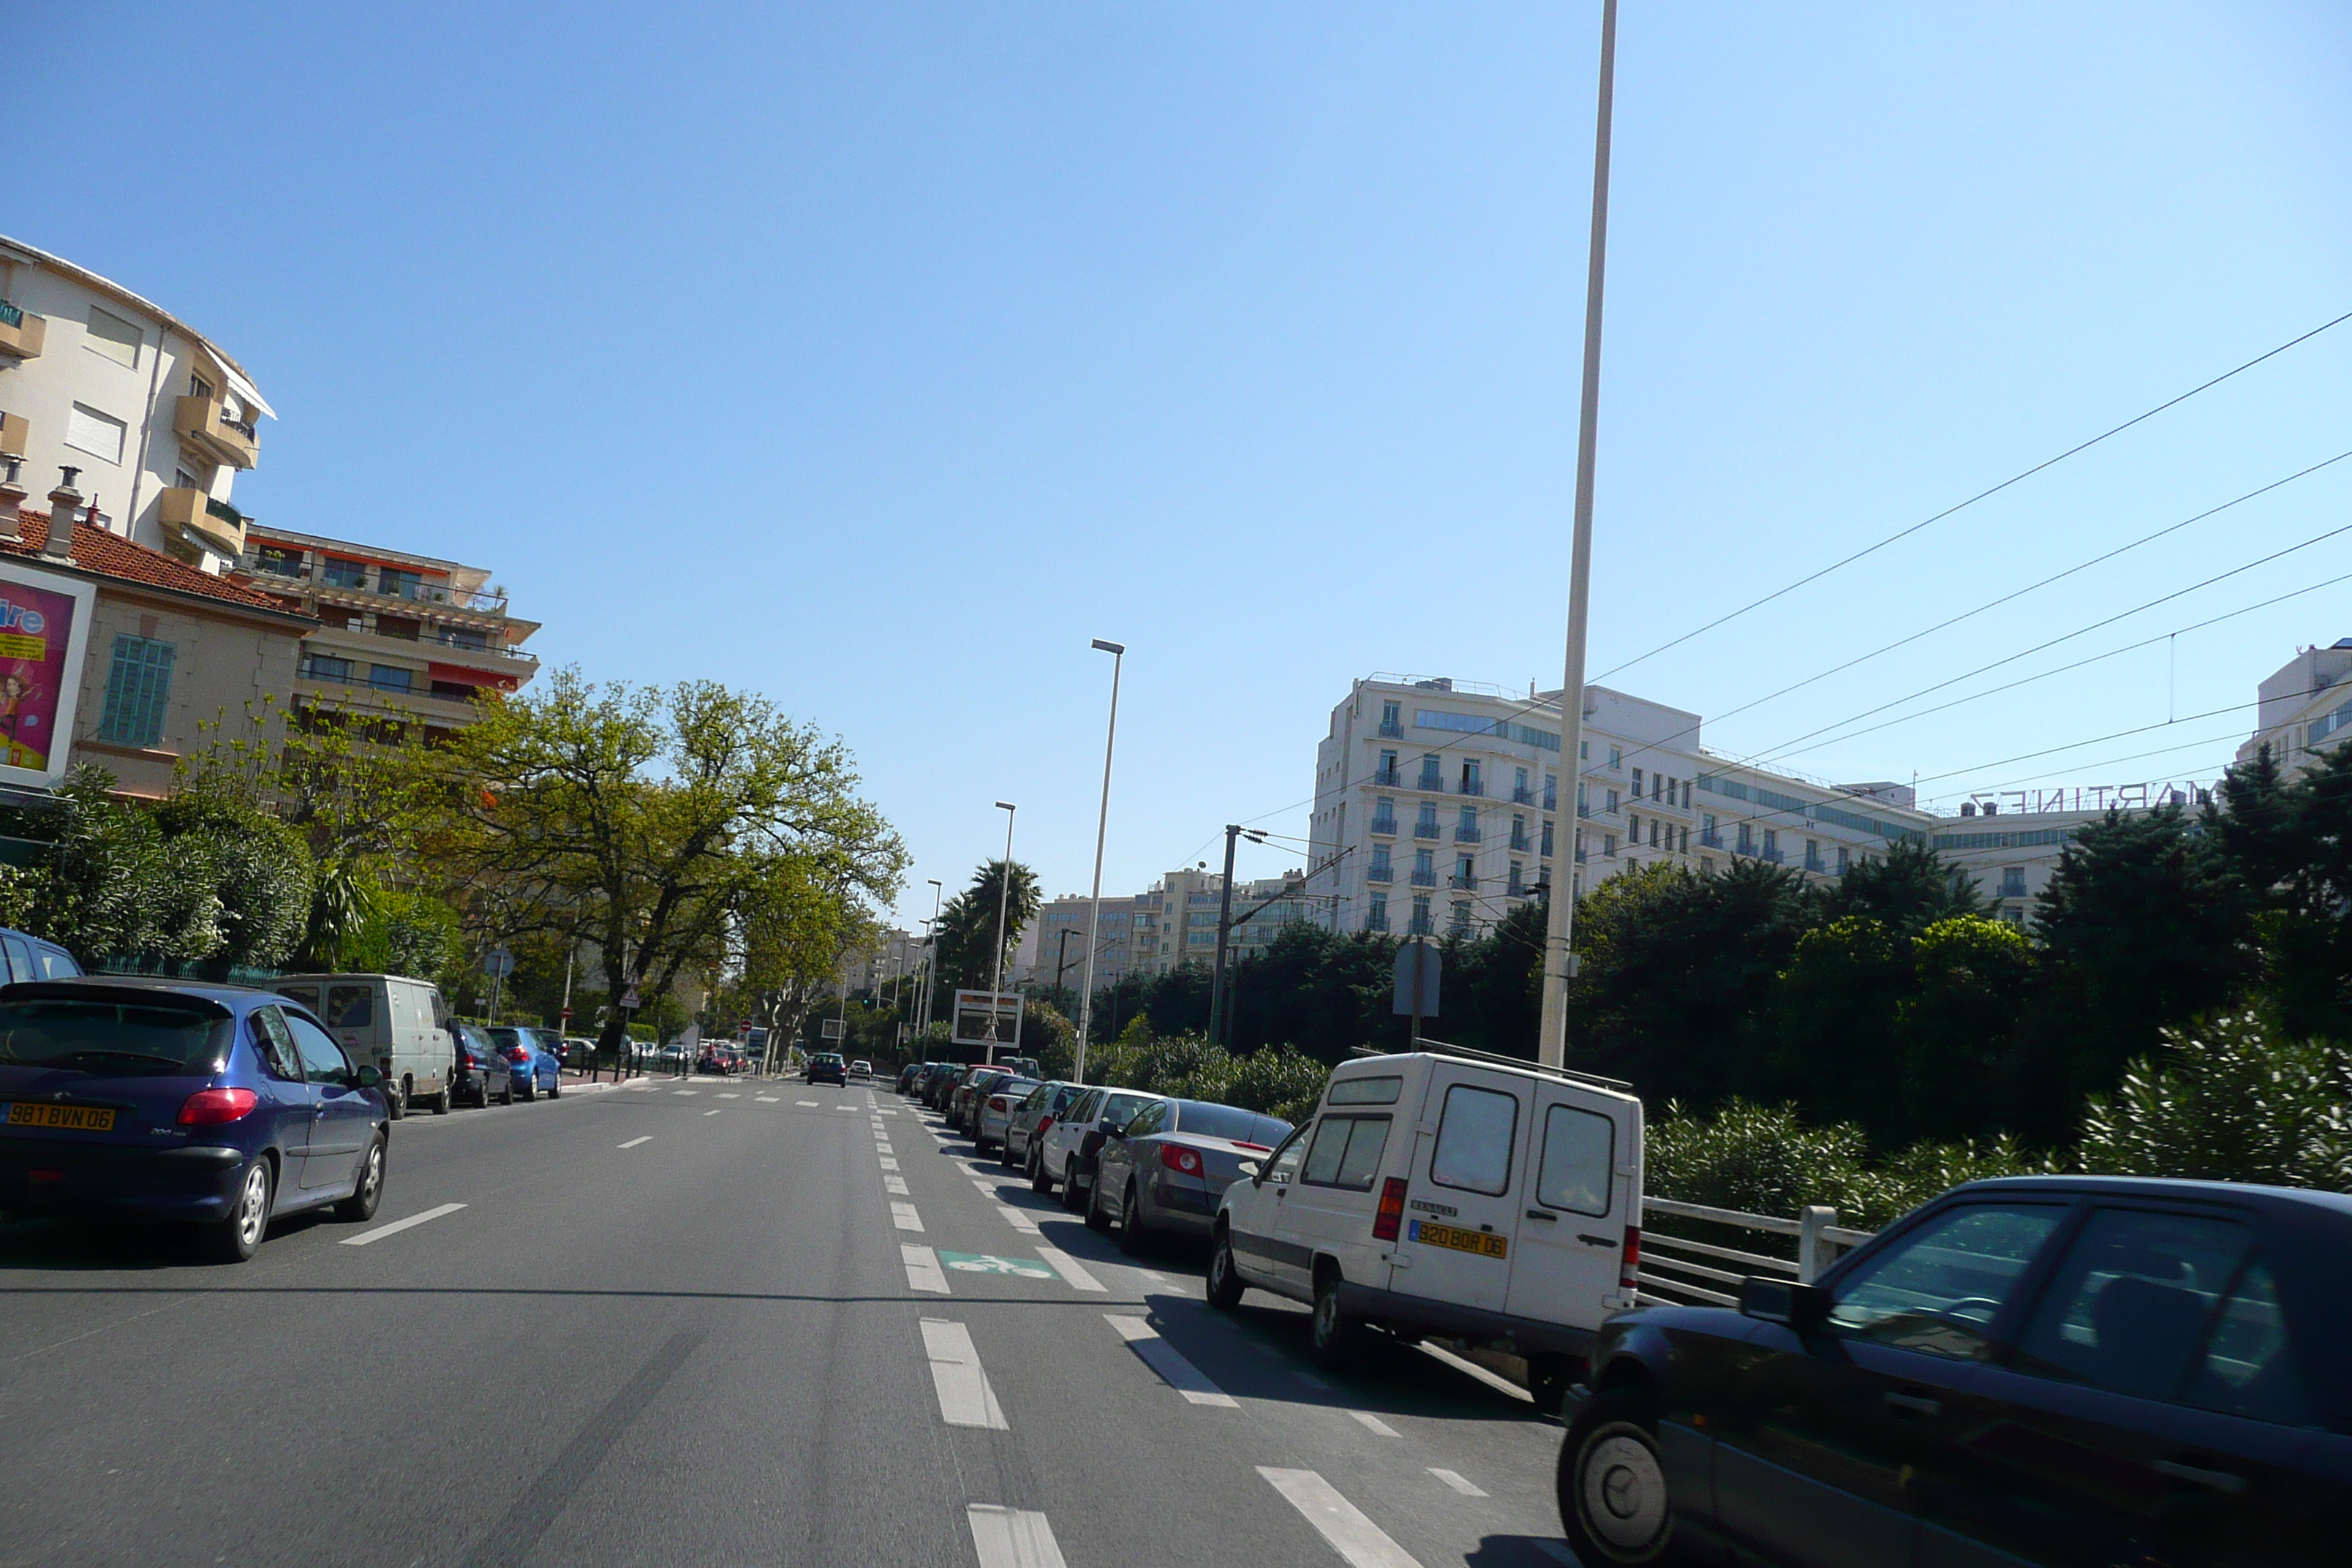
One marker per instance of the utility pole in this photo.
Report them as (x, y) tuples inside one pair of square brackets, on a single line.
[(1118, 652), (1224, 928), (1003, 901), (1560, 955), (931, 953), (1062, 958)]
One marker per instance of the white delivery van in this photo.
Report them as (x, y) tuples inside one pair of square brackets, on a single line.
[(399, 1024), (1447, 1194)]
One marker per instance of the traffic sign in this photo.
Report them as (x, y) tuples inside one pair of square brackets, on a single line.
[(565, 1013), (1418, 966), (629, 998), (498, 963)]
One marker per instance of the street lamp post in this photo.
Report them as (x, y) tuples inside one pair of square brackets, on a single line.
[(1003, 902), (1118, 652), (931, 953)]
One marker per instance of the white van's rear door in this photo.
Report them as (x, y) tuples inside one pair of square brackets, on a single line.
[(1580, 1148), (1461, 1213)]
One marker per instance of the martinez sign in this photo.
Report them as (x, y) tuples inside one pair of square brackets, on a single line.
[(2093, 797)]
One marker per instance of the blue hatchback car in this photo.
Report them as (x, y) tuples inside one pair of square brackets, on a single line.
[(531, 1058), (211, 1106)]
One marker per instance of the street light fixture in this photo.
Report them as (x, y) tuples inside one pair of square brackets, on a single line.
[(1118, 652), (931, 953), (1003, 899)]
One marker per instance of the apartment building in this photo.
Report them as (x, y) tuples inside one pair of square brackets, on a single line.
[(1174, 923), (399, 635), (2302, 708), (153, 417), (1437, 803)]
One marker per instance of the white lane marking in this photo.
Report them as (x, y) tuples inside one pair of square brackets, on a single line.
[(965, 1398), (883, 1149), (1363, 1543), (641, 1086), (895, 1184), (886, 1113), (1069, 1268), (988, 1189), (1454, 1478), (396, 1227), (686, 1092), (730, 1097), (1374, 1424), (845, 1108), (1019, 1220), (1311, 1380), (1155, 1278), (635, 1141), (905, 1217), (889, 1164), (923, 1272), (767, 1100), (714, 1113), (1012, 1538), (1164, 1359), (804, 1103), (1495, 1381)]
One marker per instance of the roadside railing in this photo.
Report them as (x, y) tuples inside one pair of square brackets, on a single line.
[(1681, 1270)]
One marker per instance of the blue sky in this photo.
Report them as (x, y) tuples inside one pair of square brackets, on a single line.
[(877, 357)]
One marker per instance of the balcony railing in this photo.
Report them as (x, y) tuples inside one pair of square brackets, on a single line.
[(1709, 838), (1424, 830), (1580, 856), (1522, 796), (1583, 809), (1380, 872), (1519, 842), (1814, 863), (1470, 786), (1431, 781), (201, 420), (1514, 888), (21, 332), (1387, 778), (1424, 879), (1385, 825), (1468, 835), (1391, 729), (1463, 884), (1551, 800), (1419, 925), (1377, 920)]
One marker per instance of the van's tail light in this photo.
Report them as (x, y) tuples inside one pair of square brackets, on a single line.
[(211, 1107), (1390, 1217), (995, 1103), (1629, 1262), (1181, 1159)]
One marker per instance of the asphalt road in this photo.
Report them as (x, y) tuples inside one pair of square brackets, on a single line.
[(704, 1325)]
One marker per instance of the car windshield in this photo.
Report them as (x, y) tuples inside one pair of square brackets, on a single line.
[(1207, 1120), (118, 1038)]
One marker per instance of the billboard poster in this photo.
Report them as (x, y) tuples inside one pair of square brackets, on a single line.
[(989, 1018), (44, 630)]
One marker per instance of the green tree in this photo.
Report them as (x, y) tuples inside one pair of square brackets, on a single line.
[(966, 926), (2232, 1099), (1906, 890), (1834, 1013), (1959, 1030)]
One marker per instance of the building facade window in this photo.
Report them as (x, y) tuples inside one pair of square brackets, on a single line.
[(1633, 827), (391, 678), (138, 692), (1746, 840), (2012, 882), (1424, 867), (1520, 794), (1460, 923), (1420, 926), (1383, 870), (1424, 824), (1392, 719), (1845, 859), (1432, 775), (1637, 783), (1546, 851), (1616, 757), (1518, 833), (1612, 807), (1609, 845), (337, 573), (1466, 830), (326, 667), (1383, 814), (1771, 844), (1379, 919), (1551, 792)]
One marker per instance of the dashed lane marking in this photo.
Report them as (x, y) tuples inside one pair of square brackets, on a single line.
[(1069, 1268), (965, 1398), (730, 1097), (1018, 1220), (1164, 1359), (809, 1104), (1454, 1478), (686, 1092), (895, 1184), (889, 1164), (1370, 1423), (1340, 1522), (1012, 1537), (905, 1217), (635, 1141), (922, 1268), (396, 1227), (714, 1111), (767, 1100)]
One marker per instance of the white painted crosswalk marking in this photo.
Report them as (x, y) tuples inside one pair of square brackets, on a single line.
[(635, 1141), (1363, 1543), (905, 1217), (923, 1271), (1454, 1478), (396, 1227), (1373, 1424), (1012, 1538), (1018, 1220), (895, 1184), (889, 1164), (1164, 1359), (1067, 1267), (965, 1398)]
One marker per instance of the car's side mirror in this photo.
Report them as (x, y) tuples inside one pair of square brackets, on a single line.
[(1253, 1170), (367, 1078), (1803, 1308)]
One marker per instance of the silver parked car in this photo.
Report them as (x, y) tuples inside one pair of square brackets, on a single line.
[(1167, 1167), (993, 1109), (1066, 1154), (1032, 1120)]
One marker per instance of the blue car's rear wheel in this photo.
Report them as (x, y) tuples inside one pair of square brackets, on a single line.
[(238, 1237)]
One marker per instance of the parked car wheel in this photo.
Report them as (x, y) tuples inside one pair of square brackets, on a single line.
[(238, 1237), (982, 1145), (396, 1099), (530, 1089), (1074, 1196), (506, 1095), (1039, 1182), (361, 1204), (1131, 1223), (1612, 1488), (555, 1089), (1224, 1285), (1096, 1218), (1004, 1152), (1335, 1337)]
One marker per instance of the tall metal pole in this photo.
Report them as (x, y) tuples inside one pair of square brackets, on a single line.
[(1559, 957), (1003, 900), (1224, 928), (932, 951), (1118, 652)]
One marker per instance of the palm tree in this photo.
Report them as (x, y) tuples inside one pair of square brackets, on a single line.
[(967, 929)]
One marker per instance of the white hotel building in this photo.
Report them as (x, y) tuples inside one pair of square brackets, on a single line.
[(1436, 803)]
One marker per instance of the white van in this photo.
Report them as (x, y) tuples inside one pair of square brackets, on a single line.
[(399, 1024), (1447, 1194)]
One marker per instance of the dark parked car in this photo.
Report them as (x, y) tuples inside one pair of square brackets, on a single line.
[(964, 1107), (212, 1106), (478, 1071), (2067, 1371), (907, 1076), (1166, 1169), (827, 1067)]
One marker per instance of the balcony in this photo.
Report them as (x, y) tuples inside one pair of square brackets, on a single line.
[(201, 422), (1382, 871), (1515, 888), (1377, 920), (1384, 825), (13, 434), (1424, 830), (21, 331), (1387, 778), (1551, 800), (1582, 809), (1424, 879), (1391, 729), (1471, 786), (1708, 838), (1463, 884), (1466, 835), (1419, 925), (192, 515), (1813, 863), (1522, 796), (1431, 780), (1520, 843)]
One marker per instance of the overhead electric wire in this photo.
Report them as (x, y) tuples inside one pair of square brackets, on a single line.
[(1904, 533)]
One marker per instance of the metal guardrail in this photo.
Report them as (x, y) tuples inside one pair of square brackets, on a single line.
[(1678, 1271)]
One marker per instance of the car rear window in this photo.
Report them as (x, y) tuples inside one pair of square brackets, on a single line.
[(1118, 1109), (504, 1038), (121, 1038), (1208, 1120)]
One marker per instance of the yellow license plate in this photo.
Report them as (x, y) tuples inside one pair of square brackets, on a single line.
[(78, 1117), (1461, 1240)]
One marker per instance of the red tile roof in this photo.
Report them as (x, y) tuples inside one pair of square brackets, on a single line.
[(111, 556)]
